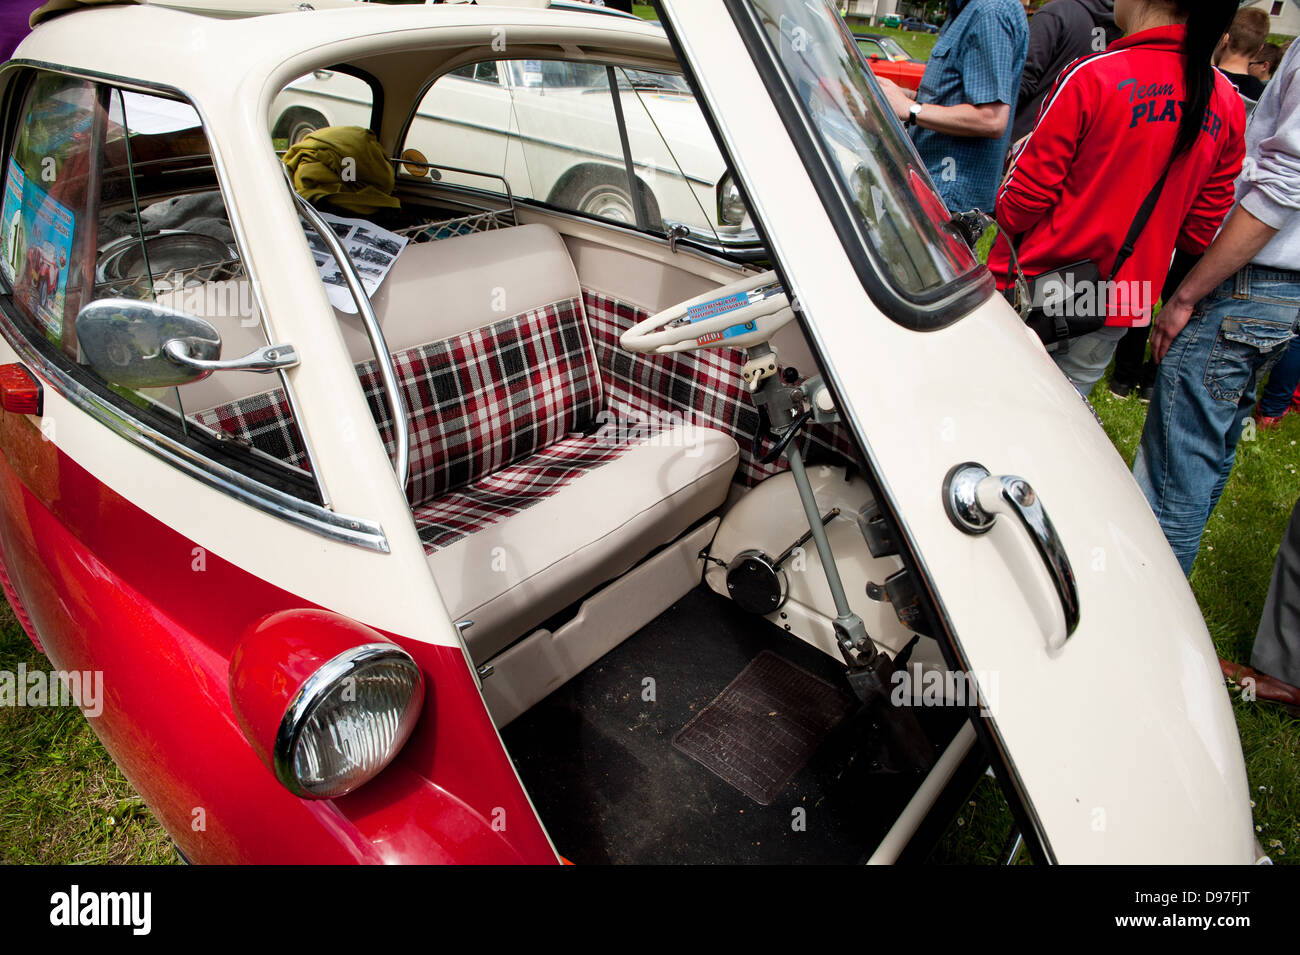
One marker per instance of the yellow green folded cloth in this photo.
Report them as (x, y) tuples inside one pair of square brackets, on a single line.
[(344, 165)]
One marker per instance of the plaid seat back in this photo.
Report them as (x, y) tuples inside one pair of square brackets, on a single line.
[(487, 398), (477, 402), (263, 422), (697, 388)]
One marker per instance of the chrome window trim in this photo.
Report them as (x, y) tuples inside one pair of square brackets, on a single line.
[(689, 246), (383, 357), (318, 518)]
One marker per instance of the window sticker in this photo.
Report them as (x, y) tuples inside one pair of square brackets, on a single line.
[(36, 248)]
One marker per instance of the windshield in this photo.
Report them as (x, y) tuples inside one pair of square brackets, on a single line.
[(881, 46), (892, 49), (892, 204)]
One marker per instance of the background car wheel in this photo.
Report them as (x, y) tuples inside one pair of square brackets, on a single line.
[(296, 124), (603, 193)]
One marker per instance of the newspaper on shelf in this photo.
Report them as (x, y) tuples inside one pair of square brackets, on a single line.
[(373, 251)]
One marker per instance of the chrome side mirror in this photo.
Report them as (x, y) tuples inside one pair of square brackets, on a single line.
[(139, 344)]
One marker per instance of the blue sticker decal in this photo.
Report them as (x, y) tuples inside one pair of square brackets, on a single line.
[(717, 306)]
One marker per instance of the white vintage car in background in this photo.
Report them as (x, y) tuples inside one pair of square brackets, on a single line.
[(515, 118), (580, 537)]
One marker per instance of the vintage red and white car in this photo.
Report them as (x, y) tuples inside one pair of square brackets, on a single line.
[(571, 538)]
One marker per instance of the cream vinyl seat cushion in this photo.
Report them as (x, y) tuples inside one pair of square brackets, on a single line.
[(513, 575)]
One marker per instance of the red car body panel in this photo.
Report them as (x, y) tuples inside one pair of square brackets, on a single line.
[(906, 73), (107, 587)]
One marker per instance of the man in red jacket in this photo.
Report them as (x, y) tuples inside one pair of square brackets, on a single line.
[(1105, 135)]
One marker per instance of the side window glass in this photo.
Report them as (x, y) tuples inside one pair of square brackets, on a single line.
[(680, 171), (319, 99), (113, 194), (465, 121), (551, 128), (166, 237)]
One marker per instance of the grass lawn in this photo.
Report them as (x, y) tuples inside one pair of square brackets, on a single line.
[(917, 45), (61, 798)]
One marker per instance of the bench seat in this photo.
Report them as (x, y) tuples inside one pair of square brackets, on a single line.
[(514, 573), (525, 500)]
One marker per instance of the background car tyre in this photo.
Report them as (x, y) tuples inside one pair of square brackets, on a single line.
[(604, 193), (296, 124)]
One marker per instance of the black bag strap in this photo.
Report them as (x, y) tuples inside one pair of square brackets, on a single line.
[(1140, 222)]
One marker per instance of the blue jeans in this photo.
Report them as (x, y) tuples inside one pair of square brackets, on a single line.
[(1205, 388), (1276, 396)]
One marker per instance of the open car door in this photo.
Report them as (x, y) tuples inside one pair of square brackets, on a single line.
[(1103, 708)]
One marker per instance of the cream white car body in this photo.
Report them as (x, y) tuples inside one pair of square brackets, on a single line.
[(1119, 742)]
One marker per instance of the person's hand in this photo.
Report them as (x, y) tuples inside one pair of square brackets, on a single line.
[(1166, 326), (899, 101)]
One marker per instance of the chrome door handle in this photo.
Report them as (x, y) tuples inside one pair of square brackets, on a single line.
[(268, 358), (973, 499)]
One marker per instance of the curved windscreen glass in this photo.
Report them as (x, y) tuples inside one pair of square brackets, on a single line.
[(888, 190)]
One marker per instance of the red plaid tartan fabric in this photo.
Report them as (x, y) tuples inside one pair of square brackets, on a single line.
[(703, 388), (489, 398), (513, 489), (259, 421), (499, 414)]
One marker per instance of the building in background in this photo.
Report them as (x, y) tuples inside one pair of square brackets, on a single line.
[(863, 13), (1283, 14)]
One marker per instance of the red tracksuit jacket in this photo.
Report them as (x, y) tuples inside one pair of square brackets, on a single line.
[(1103, 137)]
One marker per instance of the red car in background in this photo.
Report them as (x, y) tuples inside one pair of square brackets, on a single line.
[(890, 60)]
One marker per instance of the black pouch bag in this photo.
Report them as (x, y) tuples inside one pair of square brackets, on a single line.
[(1071, 300)]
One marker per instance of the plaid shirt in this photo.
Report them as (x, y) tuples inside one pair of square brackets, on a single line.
[(978, 59)]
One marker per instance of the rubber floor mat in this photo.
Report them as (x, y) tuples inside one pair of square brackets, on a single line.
[(762, 729)]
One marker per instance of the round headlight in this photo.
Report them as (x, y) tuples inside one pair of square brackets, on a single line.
[(731, 207), (348, 720)]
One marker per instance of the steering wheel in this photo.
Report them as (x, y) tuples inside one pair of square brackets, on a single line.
[(738, 315)]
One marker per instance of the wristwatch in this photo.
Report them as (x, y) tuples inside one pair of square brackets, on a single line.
[(913, 114)]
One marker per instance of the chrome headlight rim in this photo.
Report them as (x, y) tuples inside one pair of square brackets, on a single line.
[(314, 691)]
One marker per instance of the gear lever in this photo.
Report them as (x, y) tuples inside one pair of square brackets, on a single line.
[(870, 671)]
